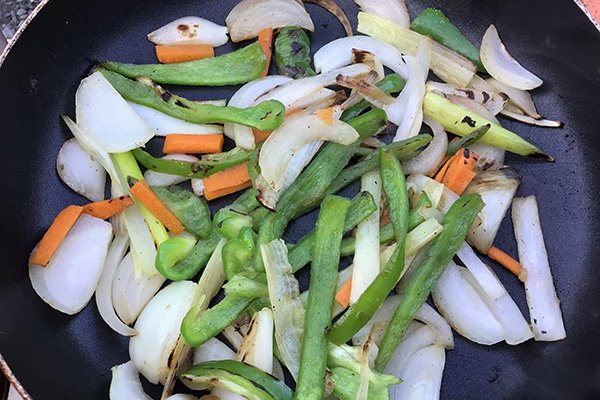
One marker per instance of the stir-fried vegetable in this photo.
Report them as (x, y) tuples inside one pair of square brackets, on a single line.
[(292, 53)]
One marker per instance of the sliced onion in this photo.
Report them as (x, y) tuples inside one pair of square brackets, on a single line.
[(104, 301), (198, 187), (125, 383), (336, 10), (69, 280), (518, 97), (497, 189), (190, 30), (154, 178), (421, 375), (546, 123), (163, 124), (491, 100), (474, 106), (419, 336), (106, 115), (181, 396), (428, 161), (544, 305), (502, 66), (392, 10), (317, 100), (158, 330), (130, 295), (80, 171), (249, 17), (418, 183), (277, 150), (213, 350), (338, 53), (463, 308), (257, 347)]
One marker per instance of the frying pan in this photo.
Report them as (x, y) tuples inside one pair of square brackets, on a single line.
[(56, 356)]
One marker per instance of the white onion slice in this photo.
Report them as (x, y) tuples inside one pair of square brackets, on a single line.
[(116, 253), (249, 17), (416, 337), (546, 123), (421, 375), (497, 189), (544, 305), (294, 133), (257, 347), (418, 183), (392, 10), (212, 350), (158, 330), (68, 282), (427, 162), (130, 295), (198, 187), (181, 396), (102, 111), (163, 124), (520, 98), (125, 383), (154, 178), (80, 171), (190, 30), (461, 305), (493, 101), (502, 66)]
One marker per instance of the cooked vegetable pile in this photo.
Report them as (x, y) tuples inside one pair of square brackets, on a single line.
[(212, 300)]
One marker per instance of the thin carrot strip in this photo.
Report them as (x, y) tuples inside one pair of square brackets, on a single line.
[(226, 182), (458, 172), (180, 143), (325, 115), (179, 53), (107, 208), (150, 200), (55, 234), (508, 262), (343, 295), (265, 39)]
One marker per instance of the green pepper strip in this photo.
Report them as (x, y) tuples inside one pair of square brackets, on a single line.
[(241, 66), (207, 165), (237, 253), (267, 115), (247, 284), (309, 188), (433, 23), (393, 83), (191, 210), (467, 140), (189, 266), (457, 222), (197, 329), (394, 186), (323, 279), (260, 380)]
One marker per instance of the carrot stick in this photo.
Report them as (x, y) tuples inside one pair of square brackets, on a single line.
[(508, 262), (150, 200), (177, 54), (226, 182), (458, 172), (265, 39), (343, 295), (325, 115), (107, 208), (179, 143), (55, 234)]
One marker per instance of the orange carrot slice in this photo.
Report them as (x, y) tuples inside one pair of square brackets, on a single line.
[(325, 115), (343, 295), (508, 262), (260, 136), (265, 39), (458, 172), (107, 208), (226, 182), (183, 53), (150, 200), (188, 144), (55, 234)]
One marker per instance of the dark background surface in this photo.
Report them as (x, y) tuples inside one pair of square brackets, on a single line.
[(69, 357)]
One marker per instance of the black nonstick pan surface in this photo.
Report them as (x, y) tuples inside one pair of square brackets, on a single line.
[(56, 356)]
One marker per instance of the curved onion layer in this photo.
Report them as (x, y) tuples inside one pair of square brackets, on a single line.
[(245, 97), (427, 162), (497, 189), (158, 330), (502, 66), (337, 11), (124, 130), (181, 396), (212, 350), (68, 282), (257, 347), (520, 98), (125, 383), (249, 17), (392, 10), (546, 123), (544, 306), (198, 187), (416, 337), (163, 124), (418, 183), (291, 136), (80, 171), (154, 178), (460, 304), (491, 100), (190, 30), (104, 301), (129, 294), (338, 53), (421, 375)]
